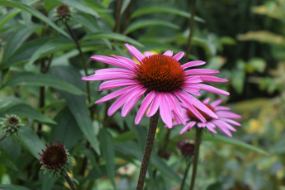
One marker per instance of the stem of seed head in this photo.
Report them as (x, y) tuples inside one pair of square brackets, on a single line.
[(68, 180), (3, 136), (147, 150)]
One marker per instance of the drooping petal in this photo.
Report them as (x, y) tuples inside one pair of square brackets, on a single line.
[(216, 102), (212, 79), (145, 104), (228, 114), (225, 130), (193, 64), (135, 53), (222, 108), (116, 83), (195, 79), (165, 111), (122, 100), (211, 127), (201, 72), (207, 100), (178, 56), (132, 101), (212, 89), (193, 91), (187, 127), (147, 53), (114, 94), (176, 107), (125, 59), (223, 124), (114, 70), (116, 75), (231, 121), (154, 105), (112, 61), (168, 53)]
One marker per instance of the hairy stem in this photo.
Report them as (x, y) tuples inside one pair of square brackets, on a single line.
[(198, 138), (3, 136), (68, 180), (186, 173), (147, 150), (191, 29)]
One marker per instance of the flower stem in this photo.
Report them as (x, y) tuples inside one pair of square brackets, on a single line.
[(191, 29), (3, 136), (186, 173), (117, 23), (147, 150), (196, 155), (68, 180)]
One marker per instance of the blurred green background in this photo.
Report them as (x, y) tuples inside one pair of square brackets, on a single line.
[(245, 40)]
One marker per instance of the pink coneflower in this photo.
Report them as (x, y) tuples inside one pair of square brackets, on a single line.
[(161, 78), (222, 122)]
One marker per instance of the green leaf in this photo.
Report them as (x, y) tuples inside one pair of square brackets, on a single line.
[(30, 141), (97, 7), (34, 12), (79, 5), (50, 4), (108, 153), (34, 79), (77, 104), (111, 35), (145, 23), (125, 5), (12, 187), (8, 162), (67, 130), (238, 77), (27, 111), (162, 9)]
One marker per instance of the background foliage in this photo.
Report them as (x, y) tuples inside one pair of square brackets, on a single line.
[(41, 69)]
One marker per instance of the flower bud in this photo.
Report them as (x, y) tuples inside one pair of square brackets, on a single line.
[(11, 124), (186, 148)]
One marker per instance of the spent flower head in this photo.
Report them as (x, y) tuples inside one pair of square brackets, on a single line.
[(11, 124), (186, 148), (56, 160), (162, 80)]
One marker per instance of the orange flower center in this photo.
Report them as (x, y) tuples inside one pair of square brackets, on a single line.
[(194, 118), (160, 73)]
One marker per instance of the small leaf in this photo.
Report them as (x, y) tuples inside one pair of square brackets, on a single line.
[(30, 141), (125, 5), (80, 6), (145, 23), (34, 12), (8, 162), (34, 79), (108, 153), (162, 9), (111, 35), (12, 187)]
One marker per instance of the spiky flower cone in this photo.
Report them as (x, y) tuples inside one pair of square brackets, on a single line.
[(56, 160), (11, 124)]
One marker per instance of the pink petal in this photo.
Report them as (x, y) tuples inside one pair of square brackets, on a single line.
[(145, 104), (201, 125), (112, 61), (193, 64), (122, 100), (135, 53), (212, 89), (107, 77), (231, 121), (116, 83), (216, 102), (207, 100), (147, 53), (201, 72), (192, 80), (114, 94), (165, 112), (178, 56), (224, 124), (154, 105), (114, 70), (193, 91), (125, 59), (211, 127), (132, 101), (189, 105), (218, 108), (187, 127), (168, 53), (176, 107), (225, 130), (228, 115), (212, 79)]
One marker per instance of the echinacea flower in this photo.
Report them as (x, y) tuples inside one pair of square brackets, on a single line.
[(222, 122), (56, 160), (161, 78)]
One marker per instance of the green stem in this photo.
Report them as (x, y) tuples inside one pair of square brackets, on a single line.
[(3, 136), (118, 15), (191, 29), (186, 173), (198, 138), (147, 150), (68, 180)]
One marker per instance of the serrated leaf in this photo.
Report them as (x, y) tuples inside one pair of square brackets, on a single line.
[(36, 79), (162, 9), (12, 187), (112, 36), (34, 12), (108, 153), (30, 141), (145, 23)]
